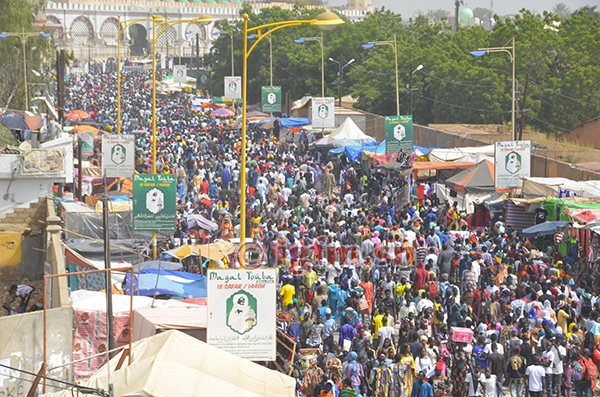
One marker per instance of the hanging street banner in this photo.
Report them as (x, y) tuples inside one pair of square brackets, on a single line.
[(399, 134), (180, 74), (512, 163), (87, 143), (241, 312), (154, 199), (323, 112), (202, 78), (271, 98), (233, 87), (118, 153)]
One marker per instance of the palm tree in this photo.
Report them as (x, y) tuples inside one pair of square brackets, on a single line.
[(562, 10)]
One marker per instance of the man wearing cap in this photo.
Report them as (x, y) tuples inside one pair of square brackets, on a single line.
[(329, 328)]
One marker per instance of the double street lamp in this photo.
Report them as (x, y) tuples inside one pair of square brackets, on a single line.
[(510, 50), (327, 21), (23, 36), (341, 73), (394, 45), (320, 40)]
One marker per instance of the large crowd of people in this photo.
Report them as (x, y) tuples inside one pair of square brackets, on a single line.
[(387, 294)]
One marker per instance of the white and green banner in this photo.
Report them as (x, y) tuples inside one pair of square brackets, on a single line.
[(512, 163), (271, 98), (323, 112), (242, 312), (233, 87), (118, 154), (180, 74), (87, 143), (399, 134)]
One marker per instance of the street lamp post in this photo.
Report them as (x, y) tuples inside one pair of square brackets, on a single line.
[(341, 74), (252, 37), (23, 36), (327, 21), (410, 89), (510, 50), (320, 40), (230, 34), (394, 46)]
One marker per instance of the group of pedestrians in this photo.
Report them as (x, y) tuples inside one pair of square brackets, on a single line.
[(392, 295)]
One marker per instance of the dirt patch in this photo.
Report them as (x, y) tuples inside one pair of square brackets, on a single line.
[(9, 275)]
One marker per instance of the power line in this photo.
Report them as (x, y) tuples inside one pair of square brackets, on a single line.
[(464, 107), (466, 85), (564, 96), (559, 110), (550, 124)]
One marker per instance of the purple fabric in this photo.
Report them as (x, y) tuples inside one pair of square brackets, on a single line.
[(201, 222)]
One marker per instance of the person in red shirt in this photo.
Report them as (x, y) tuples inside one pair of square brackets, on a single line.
[(204, 187)]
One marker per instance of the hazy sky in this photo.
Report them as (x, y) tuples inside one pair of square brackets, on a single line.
[(502, 7)]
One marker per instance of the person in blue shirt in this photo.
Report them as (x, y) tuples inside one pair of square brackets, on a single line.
[(421, 388)]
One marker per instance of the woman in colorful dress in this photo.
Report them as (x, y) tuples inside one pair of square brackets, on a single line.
[(354, 371), (312, 378), (460, 361), (411, 369)]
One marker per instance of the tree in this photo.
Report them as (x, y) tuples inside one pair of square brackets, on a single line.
[(589, 10), (437, 15), (562, 10), (18, 16), (482, 13)]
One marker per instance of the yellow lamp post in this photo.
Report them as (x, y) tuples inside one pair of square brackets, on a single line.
[(327, 21), (320, 40), (23, 36), (126, 24), (510, 50), (164, 25), (394, 46)]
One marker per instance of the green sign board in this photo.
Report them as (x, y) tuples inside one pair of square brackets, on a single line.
[(154, 198), (202, 79), (398, 134), (271, 99)]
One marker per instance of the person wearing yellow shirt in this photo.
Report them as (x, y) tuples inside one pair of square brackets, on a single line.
[(287, 291)]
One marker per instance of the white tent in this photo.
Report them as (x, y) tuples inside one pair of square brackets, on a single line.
[(542, 187), (471, 154), (175, 364), (349, 130)]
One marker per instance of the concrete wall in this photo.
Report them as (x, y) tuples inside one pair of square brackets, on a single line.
[(587, 134), (541, 164), (22, 347)]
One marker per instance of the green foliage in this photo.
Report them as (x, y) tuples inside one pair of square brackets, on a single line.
[(561, 56), (562, 10), (481, 13), (18, 16)]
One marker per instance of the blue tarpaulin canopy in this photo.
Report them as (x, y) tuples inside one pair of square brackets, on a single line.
[(355, 151), (183, 284), (544, 229), (293, 122)]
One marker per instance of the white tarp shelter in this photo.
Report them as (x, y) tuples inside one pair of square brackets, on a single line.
[(472, 154), (551, 187), (349, 130), (148, 320), (175, 364)]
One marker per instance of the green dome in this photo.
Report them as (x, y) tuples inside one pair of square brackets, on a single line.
[(465, 15), (225, 2), (183, 1), (238, 2), (198, 1), (211, 2)]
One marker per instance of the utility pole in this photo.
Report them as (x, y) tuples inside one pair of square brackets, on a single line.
[(109, 309), (60, 84), (341, 76), (197, 49), (523, 109), (410, 90), (79, 168)]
